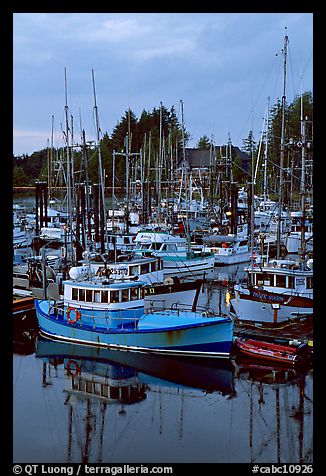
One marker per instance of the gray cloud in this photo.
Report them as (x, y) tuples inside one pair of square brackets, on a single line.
[(221, 65)]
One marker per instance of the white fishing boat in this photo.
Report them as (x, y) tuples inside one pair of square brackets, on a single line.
[(293, 237), (178, 258), (28, 277), (22, 231), (22, 237), (124, 242), (227, 249), (276, 292)]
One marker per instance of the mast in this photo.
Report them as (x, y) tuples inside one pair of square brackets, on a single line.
[(302, 181), (72, 160), (252, 210), (229, 154), (159, 169), (186, 176), (69, 192), (50, 162), (98, 143), (87, 187), (266, 154), (127, 183), (286, 41)]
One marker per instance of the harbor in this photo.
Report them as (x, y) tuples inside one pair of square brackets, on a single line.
[(87, 404), (163, 291)]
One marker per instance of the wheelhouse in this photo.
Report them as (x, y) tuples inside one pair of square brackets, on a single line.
[(102, 295)]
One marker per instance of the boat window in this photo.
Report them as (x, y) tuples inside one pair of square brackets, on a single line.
[(104, 296), (268, 281), (172, 247), (114, 296), (125, 295), (144, 268), (97, 296), (290, 282), (74, 294), (281, 280), (126, 240), (155, 246), (153, 266), (89, 387), (133, 294), (264, 279), (89, 295), (259, 279), (20, 276), (243, 243), (81, 295), (133, 270), (309, 282), (104, 390), (114, 393)]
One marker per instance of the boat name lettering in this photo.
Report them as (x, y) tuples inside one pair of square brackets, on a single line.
[(267, 297), (118, 271)]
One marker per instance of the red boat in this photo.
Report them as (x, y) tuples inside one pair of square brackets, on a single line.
[(269, 351)]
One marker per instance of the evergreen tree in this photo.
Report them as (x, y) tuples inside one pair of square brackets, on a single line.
[(19, 177), (249, 144), (204, 143)]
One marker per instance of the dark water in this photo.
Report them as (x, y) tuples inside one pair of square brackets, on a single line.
[(76, 404)]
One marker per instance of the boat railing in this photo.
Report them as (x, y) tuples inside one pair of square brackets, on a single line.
[(112, 319), (155, 306)]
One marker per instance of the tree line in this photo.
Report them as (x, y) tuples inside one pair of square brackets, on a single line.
[(160, 137)]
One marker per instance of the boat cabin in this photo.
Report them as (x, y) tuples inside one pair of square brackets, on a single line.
[(159, 242), (130, 266), (101, 295), (122, 242), (285, 276), (225, 244)]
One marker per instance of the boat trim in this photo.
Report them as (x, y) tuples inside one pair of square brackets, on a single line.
[(146, 350)]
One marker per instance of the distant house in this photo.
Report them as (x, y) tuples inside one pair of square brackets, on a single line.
[(199, 159)]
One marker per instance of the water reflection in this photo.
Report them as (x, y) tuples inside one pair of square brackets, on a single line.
[(210, 376), (123, 407)]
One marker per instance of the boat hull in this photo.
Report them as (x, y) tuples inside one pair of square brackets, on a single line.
[(270, 308), (225, 260), (196, 337), (186, 266), (269, 352)]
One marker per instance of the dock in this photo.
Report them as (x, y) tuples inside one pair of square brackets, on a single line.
[(296, 330)]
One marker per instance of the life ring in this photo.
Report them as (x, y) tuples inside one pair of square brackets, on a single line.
[(77, 315), (76, 370)]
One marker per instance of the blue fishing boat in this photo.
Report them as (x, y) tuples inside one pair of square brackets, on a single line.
[(112, 314)]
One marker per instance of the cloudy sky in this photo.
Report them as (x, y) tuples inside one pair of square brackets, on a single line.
[(223, 66)]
